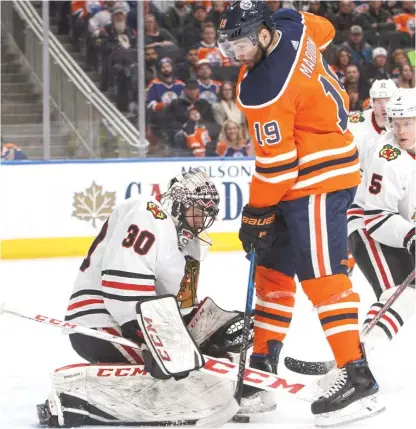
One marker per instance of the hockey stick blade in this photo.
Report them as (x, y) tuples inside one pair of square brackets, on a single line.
[(309, 368), (219, 417)]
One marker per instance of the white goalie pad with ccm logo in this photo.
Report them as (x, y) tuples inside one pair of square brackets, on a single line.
[(166, 335)]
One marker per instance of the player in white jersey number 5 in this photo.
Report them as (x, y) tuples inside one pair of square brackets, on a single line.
[(367, 128), (385, 249), (139, 281)]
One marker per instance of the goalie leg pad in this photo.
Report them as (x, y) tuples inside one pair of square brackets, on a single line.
[(167, 337), (90, 394)]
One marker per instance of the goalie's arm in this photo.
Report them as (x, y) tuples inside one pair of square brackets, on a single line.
[(128, 269)]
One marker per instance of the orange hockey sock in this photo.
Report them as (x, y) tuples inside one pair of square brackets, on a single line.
[(337, 307), (274, 306)]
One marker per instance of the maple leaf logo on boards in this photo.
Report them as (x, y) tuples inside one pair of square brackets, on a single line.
[(93, 204)]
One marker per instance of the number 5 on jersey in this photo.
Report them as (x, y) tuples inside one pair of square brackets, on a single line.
[(267, 133)]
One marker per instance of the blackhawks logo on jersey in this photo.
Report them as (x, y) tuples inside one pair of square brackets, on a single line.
[(389, 152), (156, 211), (356, 117)]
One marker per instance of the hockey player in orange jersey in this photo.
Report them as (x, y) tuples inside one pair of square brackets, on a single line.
[(305, 178)]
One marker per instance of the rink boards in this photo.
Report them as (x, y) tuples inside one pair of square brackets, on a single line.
[(56, 208)]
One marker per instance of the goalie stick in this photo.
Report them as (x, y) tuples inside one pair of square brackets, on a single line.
[(323, 367), (213, 366), (228, 411)]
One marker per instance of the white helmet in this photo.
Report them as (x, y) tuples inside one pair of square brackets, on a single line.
[(383, 88), (402, 104)]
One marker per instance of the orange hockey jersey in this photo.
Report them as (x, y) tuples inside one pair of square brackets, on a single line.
[(297, 112)]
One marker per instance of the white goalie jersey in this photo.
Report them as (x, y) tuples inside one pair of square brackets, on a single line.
[(389, 192), (135, 255)]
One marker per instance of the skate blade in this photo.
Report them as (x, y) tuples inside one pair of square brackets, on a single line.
[(359, 410)]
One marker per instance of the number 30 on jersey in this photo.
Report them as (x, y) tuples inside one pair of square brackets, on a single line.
[(267, 133)]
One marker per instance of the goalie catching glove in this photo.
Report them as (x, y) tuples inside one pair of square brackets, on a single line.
[(174, 350)]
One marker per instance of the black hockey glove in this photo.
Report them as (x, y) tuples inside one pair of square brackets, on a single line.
[(228, 338), (409, 241), (257, 227)]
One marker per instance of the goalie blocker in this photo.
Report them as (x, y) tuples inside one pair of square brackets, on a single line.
[(86, 394), (170, 350)]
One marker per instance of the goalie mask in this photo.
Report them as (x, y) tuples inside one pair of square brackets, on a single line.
[(192, 202)]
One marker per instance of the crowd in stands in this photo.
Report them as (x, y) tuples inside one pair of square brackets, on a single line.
[(190, 96)]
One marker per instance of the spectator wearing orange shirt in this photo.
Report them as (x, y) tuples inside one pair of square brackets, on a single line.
[(231, 142), (196, 133), (208, 49), (11, 152), (406, 21)]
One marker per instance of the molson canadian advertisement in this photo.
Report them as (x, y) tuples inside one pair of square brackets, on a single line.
[(57, 208)]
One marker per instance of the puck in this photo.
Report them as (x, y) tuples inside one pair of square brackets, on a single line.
[(241, 419)]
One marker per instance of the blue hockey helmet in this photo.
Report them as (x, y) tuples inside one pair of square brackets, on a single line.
[(239, 25)]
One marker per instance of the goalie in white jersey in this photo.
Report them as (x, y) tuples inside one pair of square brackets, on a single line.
[(384, 248), (144, 265)]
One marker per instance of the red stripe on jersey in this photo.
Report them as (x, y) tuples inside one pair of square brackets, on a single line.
[(367, 221), (387, 318), (377, 259), (128, 286), (129, 350), (355, 211), (84, 303)]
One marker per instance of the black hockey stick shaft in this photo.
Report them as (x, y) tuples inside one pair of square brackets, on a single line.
[(245, 340), (322, 367)]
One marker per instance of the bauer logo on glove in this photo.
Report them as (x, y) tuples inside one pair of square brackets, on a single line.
[(257, 227), (259, 222)]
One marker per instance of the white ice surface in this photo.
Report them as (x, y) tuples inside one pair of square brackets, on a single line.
[(30, 351)]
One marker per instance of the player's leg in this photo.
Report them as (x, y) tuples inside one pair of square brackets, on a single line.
[(385, 268), (318, 226), (275, 299), (275, 290)]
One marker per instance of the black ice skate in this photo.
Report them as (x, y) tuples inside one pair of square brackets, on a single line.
[(256, 400), (352, 397)]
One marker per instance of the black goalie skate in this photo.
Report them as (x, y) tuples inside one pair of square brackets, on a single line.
[(256, 400), (352, 397)]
